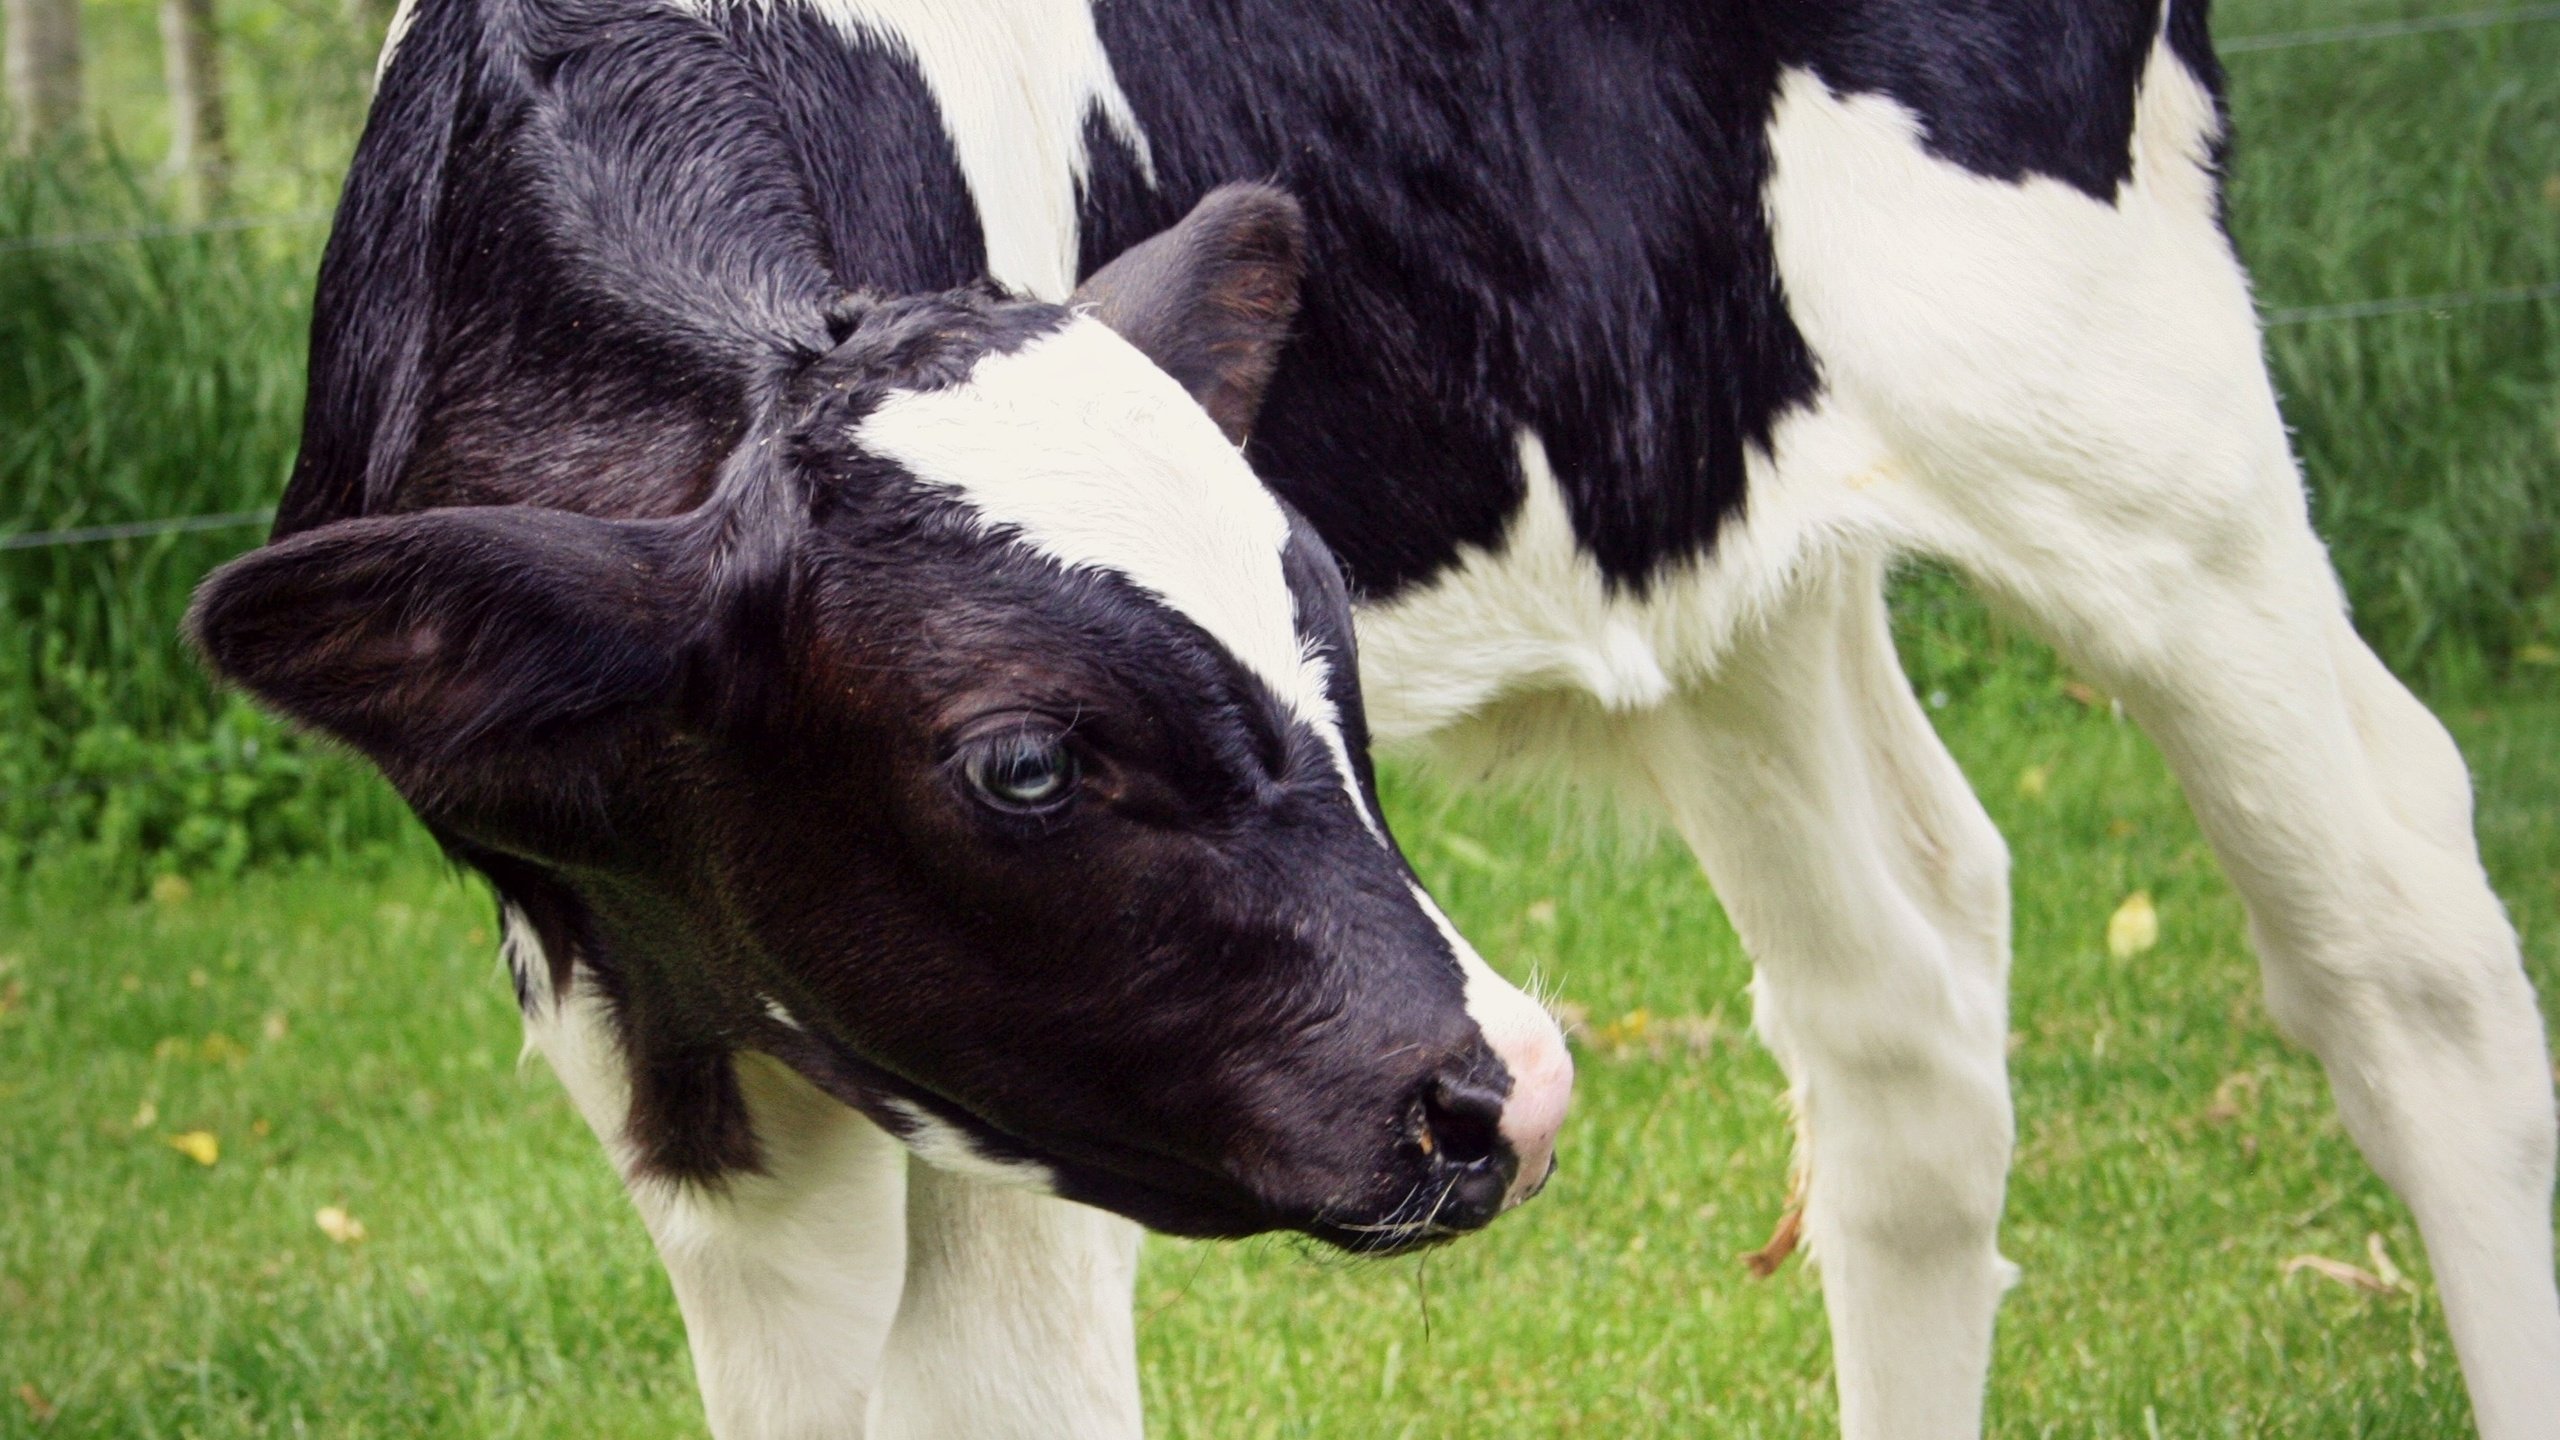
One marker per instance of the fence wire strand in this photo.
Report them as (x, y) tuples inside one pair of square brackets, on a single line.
[(75, 240), (2410, 305), (2387, 29), (134, 530)]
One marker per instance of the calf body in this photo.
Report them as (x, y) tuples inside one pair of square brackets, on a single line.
[(1636, 343)]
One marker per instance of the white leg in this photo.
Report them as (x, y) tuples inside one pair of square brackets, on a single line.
[(2341, 810), (787, 1280), (2076, 398), (1872, 892), (1017, 1322)]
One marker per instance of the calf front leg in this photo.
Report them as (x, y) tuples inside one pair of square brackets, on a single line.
[(787, 1279), (1872, 893), (1016, 1323)]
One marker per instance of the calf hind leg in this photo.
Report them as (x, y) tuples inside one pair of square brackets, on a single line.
[(2075, 394), (2341, 810)]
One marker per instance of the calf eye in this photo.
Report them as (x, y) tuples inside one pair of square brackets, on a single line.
[(1024, 771)]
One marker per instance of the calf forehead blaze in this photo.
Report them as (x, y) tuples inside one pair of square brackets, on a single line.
[(1080, 448)]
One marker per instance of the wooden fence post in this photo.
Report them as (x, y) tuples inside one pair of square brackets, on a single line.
[(199, 144), (42, 71)]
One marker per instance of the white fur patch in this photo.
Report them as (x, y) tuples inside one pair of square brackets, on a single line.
[(526, 963), (1080, 447), (949, 1149), (401, 19), (1534, 619), (1015, 83)]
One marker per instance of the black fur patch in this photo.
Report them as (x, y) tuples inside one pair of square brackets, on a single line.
[(1495, 241)]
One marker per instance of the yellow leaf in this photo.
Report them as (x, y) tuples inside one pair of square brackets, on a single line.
[(2538, 654), (2034, 781), (197, 1145), (146, 1115), (2134, 928), (171, 889), (338, 1225)]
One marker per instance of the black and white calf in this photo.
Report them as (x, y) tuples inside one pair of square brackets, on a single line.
[(915, 702)]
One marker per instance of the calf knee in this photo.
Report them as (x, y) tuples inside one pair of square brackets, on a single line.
[(1906, 1108)]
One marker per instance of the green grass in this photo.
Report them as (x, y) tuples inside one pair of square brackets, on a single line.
[(367, 1058)]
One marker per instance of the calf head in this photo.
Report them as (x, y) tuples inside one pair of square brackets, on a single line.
[(986, 748)]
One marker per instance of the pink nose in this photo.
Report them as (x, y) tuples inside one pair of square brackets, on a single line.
[(1524, 1037), (1541, 1090)]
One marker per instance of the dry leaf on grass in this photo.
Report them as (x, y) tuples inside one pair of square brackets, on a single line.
[(2382, 1267), (39, 1409), (2383, 1279), (2233, 1098), (2134, 928), (1764, 1262), (338, 1225), (2355, 1277), (146, 1115), (1784, 1238), (201, 1146), (1642, 1034)]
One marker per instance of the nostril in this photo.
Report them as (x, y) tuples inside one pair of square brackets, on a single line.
[(1463, 1120)]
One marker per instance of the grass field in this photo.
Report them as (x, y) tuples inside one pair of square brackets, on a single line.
[(207, 930), (347, 1040)]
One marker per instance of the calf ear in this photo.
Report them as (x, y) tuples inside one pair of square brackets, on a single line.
[(1210, 300), (452, 646)]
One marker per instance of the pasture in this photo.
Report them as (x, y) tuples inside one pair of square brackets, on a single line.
[(239, 991)]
